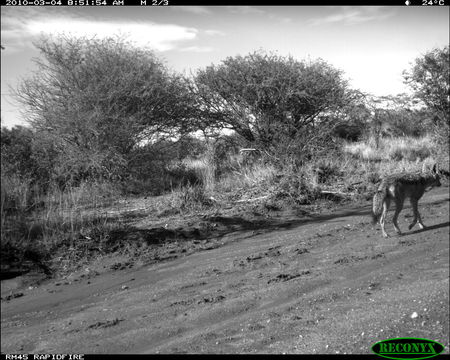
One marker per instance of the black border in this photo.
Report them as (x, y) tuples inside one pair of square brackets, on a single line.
[(162, 3)]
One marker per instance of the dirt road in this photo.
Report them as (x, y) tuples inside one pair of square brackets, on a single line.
[(330, 284)]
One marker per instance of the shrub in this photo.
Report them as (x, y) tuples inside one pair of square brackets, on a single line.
[(181, 175), (185, 199), (295, 190), (326, 170), (396, 154)]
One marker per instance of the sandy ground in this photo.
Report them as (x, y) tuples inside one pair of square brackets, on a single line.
[(328, 283)]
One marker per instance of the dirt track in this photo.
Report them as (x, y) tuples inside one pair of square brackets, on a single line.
[(331, 284)]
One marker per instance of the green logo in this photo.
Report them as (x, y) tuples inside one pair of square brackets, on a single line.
[(407, 348)]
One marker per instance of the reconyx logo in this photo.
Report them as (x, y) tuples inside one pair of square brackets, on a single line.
[(407, 348)]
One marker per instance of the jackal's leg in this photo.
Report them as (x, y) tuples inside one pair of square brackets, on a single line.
[(417, 218), (398, 208), (386, 204)]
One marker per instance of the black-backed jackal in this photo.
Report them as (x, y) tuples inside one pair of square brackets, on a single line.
[(396, 188)]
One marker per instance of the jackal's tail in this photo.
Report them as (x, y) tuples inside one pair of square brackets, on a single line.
[(378, 200)]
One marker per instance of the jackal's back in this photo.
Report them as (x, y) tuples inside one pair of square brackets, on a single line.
[(411, 185)]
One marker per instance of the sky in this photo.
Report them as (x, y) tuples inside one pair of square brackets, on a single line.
[(371, 45)]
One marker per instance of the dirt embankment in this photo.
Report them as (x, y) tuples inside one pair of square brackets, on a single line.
[(323, 284)]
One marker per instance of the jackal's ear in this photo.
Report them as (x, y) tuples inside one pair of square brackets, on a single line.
[(435, 168)]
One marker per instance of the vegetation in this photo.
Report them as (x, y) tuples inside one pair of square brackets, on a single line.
[(91, 102), (279, 105), (108, 121), (430, 80)]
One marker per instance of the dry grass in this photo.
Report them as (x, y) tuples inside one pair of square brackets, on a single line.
[(45, 224), (186, 199), (409, 148), (362, 151), (394, 155), (355, 172), (67, 227), (247, 178)]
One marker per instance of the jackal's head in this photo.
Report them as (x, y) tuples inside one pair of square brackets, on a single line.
[(434, 180)]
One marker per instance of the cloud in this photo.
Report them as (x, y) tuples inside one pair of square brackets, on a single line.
[(20, 29), (354, 15), (282, 19), (245, 10), (251, 10), (161, 37), (14, 36), (214, 32), (198, 10), (198, 49)]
